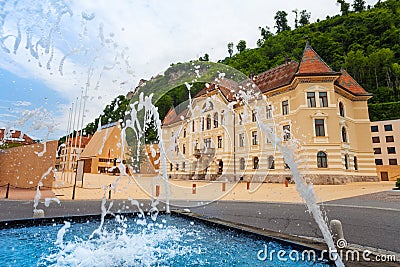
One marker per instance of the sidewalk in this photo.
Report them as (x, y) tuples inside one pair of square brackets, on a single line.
[(96, 185)]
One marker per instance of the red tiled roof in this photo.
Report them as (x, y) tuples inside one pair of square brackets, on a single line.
[(175, 118), (276, 77), (226, 91), (311, 63), (15, 136), (76, 140), (169, 117), (348, 82)]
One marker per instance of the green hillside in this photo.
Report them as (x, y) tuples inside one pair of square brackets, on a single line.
[(365, 43)]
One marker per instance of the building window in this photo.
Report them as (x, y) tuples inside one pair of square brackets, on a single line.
[(177, 167), (184, 149), (241, 140), (355, 164), (222, 119), (319, 127), (344, 135), (254, 116), (388, 127), (285, 107), (241, 118), (208, 122), (346, 161), (377, 150), (392, 161), (322, 161), (193, 126), (286, 132), (268, 114), (215, 120), (183, 165), (255, 163), (311, 100), (375, 139), (254, 138), (341, 109), (202, 123), (242, 163), (207, 143), (271, 162), (391, 150), (219, 142), (389, 139), (184, 132), (378, 162), (323, 99), (374, 129)]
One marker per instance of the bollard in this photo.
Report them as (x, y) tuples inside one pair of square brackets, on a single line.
[(157, 190), (38, 213), (109, 193), (286, 183), (248, 185), (223, 187), (8, 190), (194, 189), (73, 192), (337, 231)]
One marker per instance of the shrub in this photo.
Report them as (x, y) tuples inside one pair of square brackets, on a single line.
[(398, 183)]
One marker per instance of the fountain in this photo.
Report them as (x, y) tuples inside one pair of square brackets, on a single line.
[(134, 241)]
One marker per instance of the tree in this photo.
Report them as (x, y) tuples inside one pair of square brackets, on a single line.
[(241, 46), (205, 58), (230, 49), (344, 7), (358, 5), (296, 20), (265, 34), (281, 23), (304, 17)]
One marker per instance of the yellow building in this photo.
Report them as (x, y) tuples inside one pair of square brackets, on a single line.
[(321, 114), (386, 144)]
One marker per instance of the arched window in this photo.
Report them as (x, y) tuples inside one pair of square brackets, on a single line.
[(346, 161), (355, 164), (341, 109), (242, 163), (222, 119), (208, 122), (344, 135), (255, 163), (216, 120), (322, 160), (271, 162)]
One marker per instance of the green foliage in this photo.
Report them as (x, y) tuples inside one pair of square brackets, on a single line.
[(304, 18), (230, 49), (241, 46), (366, 44), (281, 23), (9, 145), (344, 7), (113, 112), (384, 111), (358, 5), (398, 183)]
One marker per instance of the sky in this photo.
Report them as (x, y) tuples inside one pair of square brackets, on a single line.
[(54, 52)]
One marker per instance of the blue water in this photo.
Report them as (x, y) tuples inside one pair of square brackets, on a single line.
[(170, 241)]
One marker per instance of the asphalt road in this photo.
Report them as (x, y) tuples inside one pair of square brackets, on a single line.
[(372, 221)]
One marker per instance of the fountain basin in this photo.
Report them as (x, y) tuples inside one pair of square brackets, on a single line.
[(171, 240)]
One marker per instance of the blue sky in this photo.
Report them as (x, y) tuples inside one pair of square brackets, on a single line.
[(106, 47)]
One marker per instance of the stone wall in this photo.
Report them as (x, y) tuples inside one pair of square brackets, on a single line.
[(22, 167)]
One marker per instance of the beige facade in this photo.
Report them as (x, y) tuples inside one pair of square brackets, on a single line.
[(70, 152), (103, 152), (321, 115), (386, 144)]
